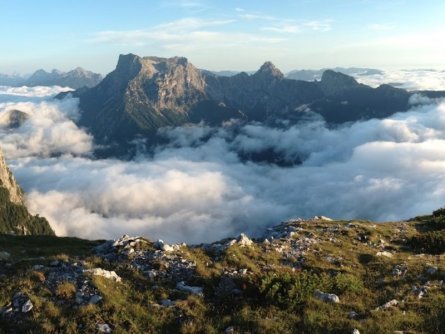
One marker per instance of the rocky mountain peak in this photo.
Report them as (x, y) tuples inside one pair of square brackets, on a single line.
[(269, 70), (128, 65), (335, 82)]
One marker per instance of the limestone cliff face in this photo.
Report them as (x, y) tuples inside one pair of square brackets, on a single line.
[(145, 93), (8, 181), (14, 216)]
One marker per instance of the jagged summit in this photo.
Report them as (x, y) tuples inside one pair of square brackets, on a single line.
[(268, 69)]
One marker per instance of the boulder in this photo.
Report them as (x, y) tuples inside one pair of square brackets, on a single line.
[(229, 330), (104, 328), (243, 240), (4, 255), (327, 219), (95, 299), (191, 289), (400, 270), (392, 303), (327, 297), (104, 273), (384, 254), (431, 270), (27, 306)]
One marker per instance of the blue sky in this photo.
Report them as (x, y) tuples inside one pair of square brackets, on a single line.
[(219, 35)]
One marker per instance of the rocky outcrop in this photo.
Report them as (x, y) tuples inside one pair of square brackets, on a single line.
[(7, 181), (14, 216), (13, 118)]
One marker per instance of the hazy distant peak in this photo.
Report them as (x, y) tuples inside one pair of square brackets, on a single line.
[(334, 82), (329, 75), (269, 69)]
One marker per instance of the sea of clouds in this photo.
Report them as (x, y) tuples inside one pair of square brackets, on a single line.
[(197, 189)]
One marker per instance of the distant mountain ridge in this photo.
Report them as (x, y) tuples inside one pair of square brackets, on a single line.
[(145, 93), (312, 75), (75, 79)]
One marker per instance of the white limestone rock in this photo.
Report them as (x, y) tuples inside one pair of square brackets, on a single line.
[(104, 273), (196, 290), (327, 297)]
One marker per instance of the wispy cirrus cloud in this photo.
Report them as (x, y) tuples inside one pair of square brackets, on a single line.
[(298, 27), (184, 34), (285, 25)]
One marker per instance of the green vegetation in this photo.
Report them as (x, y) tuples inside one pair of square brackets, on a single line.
[(266, 287), (15, 218)]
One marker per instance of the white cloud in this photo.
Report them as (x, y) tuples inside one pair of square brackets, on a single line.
[(50, 128), (186, 34), (296, 27), (422, 79), (197, 189)]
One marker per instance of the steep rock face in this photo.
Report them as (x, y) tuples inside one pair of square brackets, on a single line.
[(8, 182), (144, 94), (14, 216)]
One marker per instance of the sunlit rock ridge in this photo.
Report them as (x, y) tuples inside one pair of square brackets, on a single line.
[(144, 94)]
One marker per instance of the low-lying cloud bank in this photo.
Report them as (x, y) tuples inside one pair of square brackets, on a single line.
[(197, 189), (423, 79)]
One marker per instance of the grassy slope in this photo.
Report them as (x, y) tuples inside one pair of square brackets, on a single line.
[(275, 298)]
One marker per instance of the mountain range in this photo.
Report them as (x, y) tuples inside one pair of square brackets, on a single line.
[(75, 79), (144, 94)]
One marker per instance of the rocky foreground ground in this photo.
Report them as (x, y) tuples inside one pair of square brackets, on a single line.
[(303, 276)]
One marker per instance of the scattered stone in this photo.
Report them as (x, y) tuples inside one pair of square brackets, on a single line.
[(104, 328), (421, 291), (243, 240), (95, 299), (431, 270), (4, 255), (55, 263), (160, 245), (191, 289), (38, 267), (400, 270), (229, 330), (167, 303), (385, 254), (327, 219), (104, 273), (27, 306), (353, 315), (390, 304), (327, 297), (125, 240), (355, 331)]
